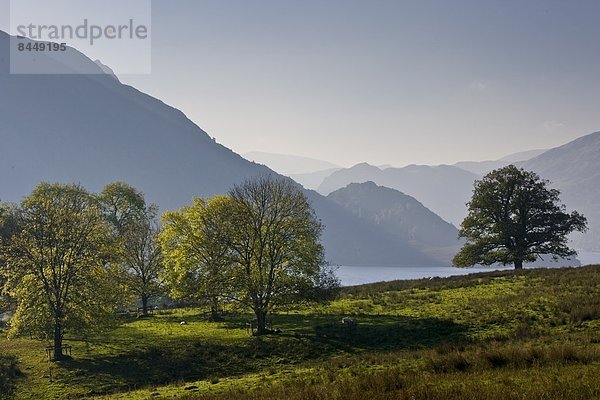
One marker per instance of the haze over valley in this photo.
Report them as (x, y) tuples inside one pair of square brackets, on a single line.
[(332, 200), (101, 130)]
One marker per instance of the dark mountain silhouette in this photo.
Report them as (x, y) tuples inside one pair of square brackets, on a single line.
[(91, 129), (402, 217), (443, 189)]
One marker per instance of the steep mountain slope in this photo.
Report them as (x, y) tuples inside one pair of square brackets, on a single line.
[(443, 189), (94, 130), (401, 216), (574, 169)]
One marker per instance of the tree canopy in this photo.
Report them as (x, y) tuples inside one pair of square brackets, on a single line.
[(200, 262), (259, 246), (8, 228), (514, 217), (55, 264), (122, 205), (275, 242), (135, 231)]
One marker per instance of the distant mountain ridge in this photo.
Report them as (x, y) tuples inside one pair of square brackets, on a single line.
[(573, 168), (286, 164), (483, 167), (444, 189), (92, 129), (312, 180)]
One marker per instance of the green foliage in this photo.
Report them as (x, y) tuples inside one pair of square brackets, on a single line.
[(55, 264), (199, 262), (122, 205), (8, 228), (514, 217), (8, 223), (258, 246), (274, 237), (143, 260), (135, 233)]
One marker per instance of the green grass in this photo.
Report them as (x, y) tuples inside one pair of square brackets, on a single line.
[(533, 334), (9, 372)]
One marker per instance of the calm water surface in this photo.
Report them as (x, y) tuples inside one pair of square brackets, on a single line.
[(358, 275)]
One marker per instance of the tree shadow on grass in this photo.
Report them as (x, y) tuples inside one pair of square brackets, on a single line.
[(302, 339), (391, 333)]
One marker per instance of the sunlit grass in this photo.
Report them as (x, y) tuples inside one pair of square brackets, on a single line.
[(518, 334)]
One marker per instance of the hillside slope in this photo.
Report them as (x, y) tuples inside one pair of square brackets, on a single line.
[(574, 169), (402, 217)]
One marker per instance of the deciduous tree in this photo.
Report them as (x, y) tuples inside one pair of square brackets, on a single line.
[(55, 264), (135, 231), (143, 260), (199, 261), (515, 217), (274, 236), (8, 228)]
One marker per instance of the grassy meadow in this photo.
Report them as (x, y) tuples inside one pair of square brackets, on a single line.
[(496, 335)]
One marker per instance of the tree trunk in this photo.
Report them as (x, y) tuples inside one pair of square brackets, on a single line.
[(261, 322), (58, 336), (519, 264), (144, 304), (214, 310)]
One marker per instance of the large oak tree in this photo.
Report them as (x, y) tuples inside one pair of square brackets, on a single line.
[(514, 217)]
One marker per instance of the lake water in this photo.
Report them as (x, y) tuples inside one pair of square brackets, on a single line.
[(358, 275)]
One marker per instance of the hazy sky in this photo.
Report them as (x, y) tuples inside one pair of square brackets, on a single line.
[(387, 82)]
